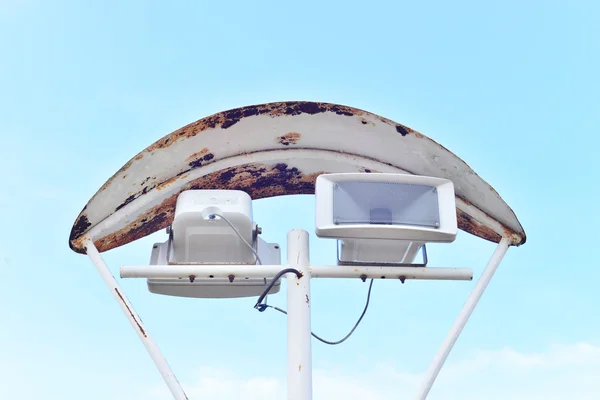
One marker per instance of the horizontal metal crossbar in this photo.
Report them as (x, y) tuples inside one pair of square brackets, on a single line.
[(269, 271)]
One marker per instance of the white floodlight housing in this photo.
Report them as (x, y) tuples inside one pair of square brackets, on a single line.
[(199, 233), (213, 227), (269, 253), (384, 218)]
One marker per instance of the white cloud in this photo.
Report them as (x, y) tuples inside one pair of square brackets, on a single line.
[(214, 383), (562, 372)]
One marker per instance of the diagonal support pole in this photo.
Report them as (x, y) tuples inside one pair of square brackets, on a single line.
[(461, 320), (136, 322)]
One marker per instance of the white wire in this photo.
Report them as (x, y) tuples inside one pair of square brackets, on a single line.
[(243, 240), (239, 235)]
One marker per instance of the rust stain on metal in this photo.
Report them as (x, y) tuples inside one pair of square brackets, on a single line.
[(227, 119), (127, 201), (365, 121), (469, 224), (197, 155), (258, 180), (157, 218), (403, 130), (80, 227), (299, 367), (169, 182), (142, 331), (367, 170), (146, 180), (385, 120), (474, 227), (289, 138), (196, 160)]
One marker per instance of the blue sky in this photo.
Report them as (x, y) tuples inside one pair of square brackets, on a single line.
[(511, 88)]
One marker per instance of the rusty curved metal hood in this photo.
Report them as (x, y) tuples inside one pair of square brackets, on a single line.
[(278, 149)]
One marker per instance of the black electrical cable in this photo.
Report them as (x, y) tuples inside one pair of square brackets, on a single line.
[(263, 307), (260, 306)]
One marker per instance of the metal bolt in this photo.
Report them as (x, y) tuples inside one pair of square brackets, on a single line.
[(363, 278), (231, 278), (402, 279), (192, 278)]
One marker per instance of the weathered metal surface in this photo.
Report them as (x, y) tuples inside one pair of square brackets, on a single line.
[(278, 149), (135, 321)]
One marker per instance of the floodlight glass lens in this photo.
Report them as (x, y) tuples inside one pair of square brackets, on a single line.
[(385, 203)]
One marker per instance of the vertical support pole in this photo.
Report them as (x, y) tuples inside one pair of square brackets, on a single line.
[(136, 322), (461, 320), (299, 385)]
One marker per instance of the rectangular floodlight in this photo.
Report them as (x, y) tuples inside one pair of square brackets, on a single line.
[(393, 203), (199, 236), (385, 206), (269, 253)]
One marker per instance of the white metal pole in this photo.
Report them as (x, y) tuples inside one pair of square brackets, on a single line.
[(136, 322), (462, 319), (299, 385)]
